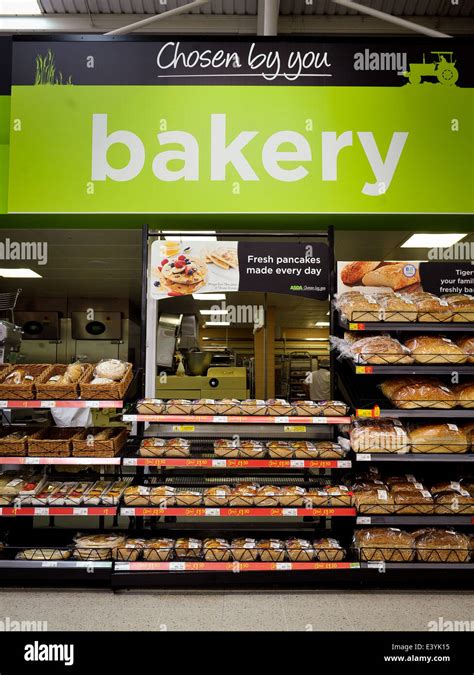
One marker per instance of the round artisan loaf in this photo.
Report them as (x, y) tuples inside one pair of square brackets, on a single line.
[(435, 349), (423, 395), (380, 349), (439, 438), (464, 394), (466, 343)]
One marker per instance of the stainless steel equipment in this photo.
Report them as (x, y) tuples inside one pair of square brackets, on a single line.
[(197, 362), (102, 326), (10, 339), (167, 333), (39, 325)]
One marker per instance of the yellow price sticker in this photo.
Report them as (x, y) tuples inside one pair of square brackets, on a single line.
[(297, 429), (184, 427)]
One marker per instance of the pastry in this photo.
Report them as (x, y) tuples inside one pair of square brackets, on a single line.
[(280, 449), (243, 494), (464, 394), (216, 550), (380, 350), (380, 435), (328, 550), (434, 349), (437, 545), (252, 449), (466, 344), (112, 369), (160, 549), (226, 447), (352, 272), (163, 496), (188, 497), (217, 495), (384, 544), (292, 495), (267, 495), (440, 438), (244, 549), (271, 550), (299, 550), (188, 547), (393, 275)]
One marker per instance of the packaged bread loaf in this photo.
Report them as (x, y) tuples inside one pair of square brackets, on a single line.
[(374, 501), (243, 494), (137, 495), (271, 550), (280, 449), (395, 307), (188, 497), (217, 495), (188, 547), (43, 554), (205, 406), (267, 495), (130, 550), (299, 550), (179, 406), (358, 307), (226, 447), (430, 308), (216, 550), (413, 502), (252, 406), (396, 276), (378, 435), (307, 408), (423, 394), (160, 549), (328, 550), (332, 408), (278, 407), (462, 305), (151, 406), (384, 544), (330, 450), (464, 394), (97, 546), (438, 545), (228, 406), (244, 549), (379, 350), (292, 495), (152, 447), (305, 449), (163, 496), (252, 449), (466, 344), (439, 438), (435, 349)]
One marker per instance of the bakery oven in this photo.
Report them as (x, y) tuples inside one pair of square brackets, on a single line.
[(98, 335), (43, 336)]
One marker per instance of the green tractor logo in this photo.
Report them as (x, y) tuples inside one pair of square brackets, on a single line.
[(443, 68)]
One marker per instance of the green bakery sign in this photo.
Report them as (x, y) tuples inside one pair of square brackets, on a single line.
[(94, 142)]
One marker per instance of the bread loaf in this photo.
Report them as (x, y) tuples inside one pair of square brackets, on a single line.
[(299, 550), (393, 275), (359, 308), (328, 550), (243, 494), (462, 305), (381, 349), (374, 501), (352, 273), (378, 435), (292, 495), (440, 438), (430, 308), (395, 307), (384, 544), (160, 549), (466, 343), (217, 495), (436, 545), (244, 549), (271, 550), (216, 550), (434, 349), (464, 394), (423, 395)]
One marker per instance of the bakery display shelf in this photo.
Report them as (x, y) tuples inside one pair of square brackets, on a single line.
[(55, 564), (69, 461), (60, 404), (428, 458), (14, 511), (233, 566), (405, 326), (234, 419), (383, 566), (237, 512), (416, 413), (213, 462), (428, 520), (413, 369)]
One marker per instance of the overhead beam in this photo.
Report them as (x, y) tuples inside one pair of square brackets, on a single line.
[(306, 24), (164, 16), (271, 11)]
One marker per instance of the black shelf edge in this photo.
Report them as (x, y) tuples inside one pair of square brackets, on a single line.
[(408, 326), (427, 519), (413, 369), (467, 567), (441, 413), (451, 458)]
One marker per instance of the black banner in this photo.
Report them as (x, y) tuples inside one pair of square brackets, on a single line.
[(301, 269), (5, 65), (447, 278), (244, 61)]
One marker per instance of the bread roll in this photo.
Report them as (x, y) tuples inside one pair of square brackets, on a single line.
[(440, 438), (352, 273), (464, 394), (381, 350), (466, 343), (435, 349), (393, 275)]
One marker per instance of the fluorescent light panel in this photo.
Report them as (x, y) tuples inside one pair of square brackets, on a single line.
[(213, 312), (432, 240), (18, 273), (209, 296), (217, 323), (322, 324), (13, 7)]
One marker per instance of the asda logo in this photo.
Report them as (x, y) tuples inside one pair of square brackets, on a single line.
[(287, 156)]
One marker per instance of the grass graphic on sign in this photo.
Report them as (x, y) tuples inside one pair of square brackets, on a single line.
[(46, 70)]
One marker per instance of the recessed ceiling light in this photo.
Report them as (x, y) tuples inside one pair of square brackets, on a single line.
[(328, 313), (321, 324), (217, 323), (209, 296), (197, 235), (12, 7), (316, 339), (19, 273), (211, 312), (432, 240)]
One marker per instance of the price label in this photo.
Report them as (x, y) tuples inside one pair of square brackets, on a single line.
[(48, 404), (345, 464), (289, 512), (297, 463), (219, 463), (364, 520), (212, 512), (41, 511), (3, 404), (366, 412), (81, 511), (32, 460), (364, 370), (357, 326), (130, 461), (186, 428), (122, 566), (129, 418), (49, 563), (294, 429), (93, 404), (283, 566), (364, 457), (282, 420), (177, 566), (220, 418), (127, 512)]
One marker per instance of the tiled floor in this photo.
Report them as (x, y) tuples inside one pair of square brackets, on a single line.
[(226, 611)]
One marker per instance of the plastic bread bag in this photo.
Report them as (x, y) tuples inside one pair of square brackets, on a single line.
[(379, 435), (111, 369), (397, 307), (358, 307), (380, 350), (422, 394)]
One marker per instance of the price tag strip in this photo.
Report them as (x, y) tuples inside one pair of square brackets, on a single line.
[(198, 512), (196, 463), (236, 419), (58, 511), (234, 566), (61, 404), (73, 461)]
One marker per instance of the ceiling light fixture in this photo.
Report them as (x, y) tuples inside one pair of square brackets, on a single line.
[(209, 296), (316, 339), (322, 324), (217, 323), (19, 273), (432, 240), (213, 312), (16, 7)]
